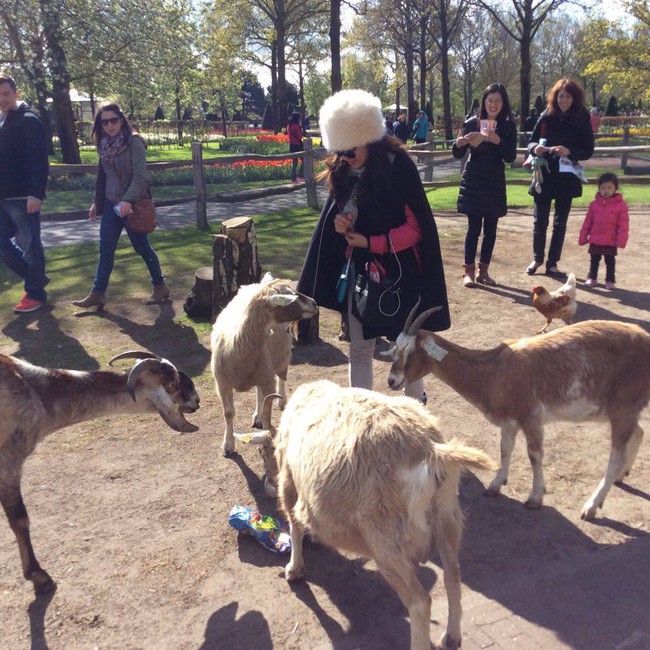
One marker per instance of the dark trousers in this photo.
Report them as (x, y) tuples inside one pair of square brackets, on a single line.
[(24, 255), (474, 224), (610, 266), (292, 149), (110, 229), (541, 214)]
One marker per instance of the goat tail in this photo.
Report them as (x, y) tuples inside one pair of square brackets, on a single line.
[(455, 452)]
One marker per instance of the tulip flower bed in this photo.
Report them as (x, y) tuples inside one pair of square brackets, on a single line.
[(267, 145), (243, 171)]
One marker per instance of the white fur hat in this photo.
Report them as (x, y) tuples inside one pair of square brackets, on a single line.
[(351, 118)]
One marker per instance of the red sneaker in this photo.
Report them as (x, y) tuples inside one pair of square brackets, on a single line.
[(27, 304)]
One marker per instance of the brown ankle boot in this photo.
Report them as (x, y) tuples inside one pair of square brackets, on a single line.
[(468, 277), (482, 276), (160, 294), (93, 299)]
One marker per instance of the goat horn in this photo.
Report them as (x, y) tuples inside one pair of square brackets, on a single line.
[(267, 409), (411, 315), (138, 369), (133, 354), (415, 328)]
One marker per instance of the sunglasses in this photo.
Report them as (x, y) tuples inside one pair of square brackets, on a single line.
[(110, 120), (350, 153)]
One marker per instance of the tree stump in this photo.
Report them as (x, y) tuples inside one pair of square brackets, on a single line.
[(199, 302), (224, 286), (242, 230)]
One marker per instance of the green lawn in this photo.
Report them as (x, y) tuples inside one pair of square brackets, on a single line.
[(444, 198), (154, 154), (64, 201), (282, 240)]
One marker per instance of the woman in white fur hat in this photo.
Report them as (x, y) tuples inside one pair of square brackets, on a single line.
[(378, 219)]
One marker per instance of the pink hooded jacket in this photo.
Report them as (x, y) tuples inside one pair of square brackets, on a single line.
[(607, 222)]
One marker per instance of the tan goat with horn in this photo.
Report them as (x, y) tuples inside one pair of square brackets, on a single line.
[(593, 370), (35, 402)]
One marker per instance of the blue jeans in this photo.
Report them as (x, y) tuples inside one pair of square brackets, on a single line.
[(24, 256), (110, 230)]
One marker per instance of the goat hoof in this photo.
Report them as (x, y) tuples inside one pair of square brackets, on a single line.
[(492, 492), (292, 574), (533, 504), (447, 643), (43, 584), (588, 513)]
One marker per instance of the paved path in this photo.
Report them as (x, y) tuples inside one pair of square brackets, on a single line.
[(62, 233)]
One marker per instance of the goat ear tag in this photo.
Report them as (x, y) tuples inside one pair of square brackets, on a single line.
[(434, 351), (281, 300)]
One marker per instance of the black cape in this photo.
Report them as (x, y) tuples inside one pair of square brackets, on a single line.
[(377, 215)]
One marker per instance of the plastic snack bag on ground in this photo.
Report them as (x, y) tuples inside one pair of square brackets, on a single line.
[(272, 533)]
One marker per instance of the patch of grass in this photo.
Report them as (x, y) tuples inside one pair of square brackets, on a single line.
[(154, 154), (282, 237), (64, 201), (444, 198)]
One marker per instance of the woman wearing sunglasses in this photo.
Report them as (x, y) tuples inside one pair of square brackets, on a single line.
[(378, 219), (121, 181)]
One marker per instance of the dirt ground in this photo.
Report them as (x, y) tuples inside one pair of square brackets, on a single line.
[(131, 519)]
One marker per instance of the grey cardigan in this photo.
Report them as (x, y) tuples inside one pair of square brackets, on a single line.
[(131, 167)]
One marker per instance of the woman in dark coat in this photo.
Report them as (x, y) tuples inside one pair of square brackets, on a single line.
[(378, 218), (562, 131), (491, 137)]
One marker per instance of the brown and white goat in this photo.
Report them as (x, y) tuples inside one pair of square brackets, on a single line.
[(251, 345), (35, 402), (593, 370), (371, 474)]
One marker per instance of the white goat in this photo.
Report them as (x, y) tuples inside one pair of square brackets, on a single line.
[(372, 475), (35, 402), (251, 345), (593, 370)]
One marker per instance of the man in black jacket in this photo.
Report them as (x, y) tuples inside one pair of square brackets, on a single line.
[(23, 176)]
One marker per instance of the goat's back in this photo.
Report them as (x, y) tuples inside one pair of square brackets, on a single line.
[(243, 343), (366, 469), (600, 362)]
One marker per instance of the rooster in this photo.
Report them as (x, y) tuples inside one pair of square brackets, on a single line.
[(560, 303)]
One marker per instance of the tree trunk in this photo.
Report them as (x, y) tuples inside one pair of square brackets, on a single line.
[(524, 79), (444, 71), (282, 80), (61, 104), (410, 84), (274, 86), (335, 45), (179, 115), (423, 61)]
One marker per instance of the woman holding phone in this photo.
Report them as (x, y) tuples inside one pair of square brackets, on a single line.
[(121, 181), (490, 137)]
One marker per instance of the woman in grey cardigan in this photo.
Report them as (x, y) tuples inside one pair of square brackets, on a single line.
[(121, 181)]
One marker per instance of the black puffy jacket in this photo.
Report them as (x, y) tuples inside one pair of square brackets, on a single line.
[(483, 185), (576, 135)]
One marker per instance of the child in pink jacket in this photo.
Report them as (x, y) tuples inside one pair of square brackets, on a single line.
[(606, 229)]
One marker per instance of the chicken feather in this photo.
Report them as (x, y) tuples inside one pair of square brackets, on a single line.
[(560, 303)]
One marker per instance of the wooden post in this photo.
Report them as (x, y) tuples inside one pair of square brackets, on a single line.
[(428, 170), (247, 265), (224, 286), (626, 143), (310, 175), (199, 186)]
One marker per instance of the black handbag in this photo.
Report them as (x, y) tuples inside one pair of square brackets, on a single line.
[(380, 301)]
